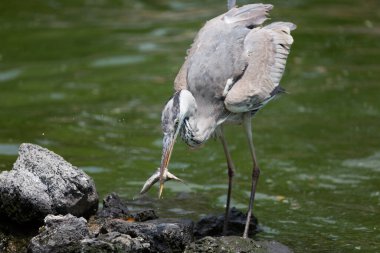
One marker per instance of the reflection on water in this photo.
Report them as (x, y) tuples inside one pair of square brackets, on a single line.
[(8, 149), (94, 169), (118, 60), (9, 74), (88, 80), (371, 162)]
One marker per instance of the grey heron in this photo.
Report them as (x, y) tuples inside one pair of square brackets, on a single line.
[(231, 71)]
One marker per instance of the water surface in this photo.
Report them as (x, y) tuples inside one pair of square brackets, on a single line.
[(88, 79)]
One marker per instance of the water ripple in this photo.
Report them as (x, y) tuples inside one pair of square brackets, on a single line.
[(9, 149), (10, 75), (94, 169), (371, 162), (118, 61)]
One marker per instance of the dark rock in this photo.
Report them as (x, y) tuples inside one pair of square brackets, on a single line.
[(144, 215), (115, 242), (128, 234), (235, 244), (42, 183), (14, 237), (212, 225), (96, 246), (61, 234), (3, 242), (163, 235), (114, 207)]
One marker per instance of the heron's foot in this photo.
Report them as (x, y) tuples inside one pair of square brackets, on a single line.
[(156, 177)]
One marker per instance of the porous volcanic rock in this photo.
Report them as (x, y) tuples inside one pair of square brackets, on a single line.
[(163, 235), (41, 183), (61, 234)]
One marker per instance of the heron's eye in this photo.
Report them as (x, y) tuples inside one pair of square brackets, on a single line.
[(176, 122)]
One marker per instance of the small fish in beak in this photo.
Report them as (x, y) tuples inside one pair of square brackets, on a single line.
[(179, 108), (156, 177)]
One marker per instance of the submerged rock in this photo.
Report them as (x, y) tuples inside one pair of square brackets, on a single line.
[(42, 182), (212, 225), (235, 244), (60, 234)]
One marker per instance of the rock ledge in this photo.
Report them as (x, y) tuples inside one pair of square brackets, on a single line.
[(43, 183)]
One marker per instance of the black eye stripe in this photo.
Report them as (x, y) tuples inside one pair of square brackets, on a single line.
[(176, 104)]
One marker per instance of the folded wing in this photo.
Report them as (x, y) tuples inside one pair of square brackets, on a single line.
[(266, 50)]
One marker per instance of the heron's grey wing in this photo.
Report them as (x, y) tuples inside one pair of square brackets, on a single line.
[(267, 49), (216, 43)]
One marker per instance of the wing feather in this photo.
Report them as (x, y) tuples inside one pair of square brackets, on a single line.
[(251, 15), (267, 49)]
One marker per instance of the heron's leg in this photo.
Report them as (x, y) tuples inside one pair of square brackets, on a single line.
[(255, 172), (231, 172)]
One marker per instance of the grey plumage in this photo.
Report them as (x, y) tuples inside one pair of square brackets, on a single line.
[(235, 46), (233, 68), (266, 49)]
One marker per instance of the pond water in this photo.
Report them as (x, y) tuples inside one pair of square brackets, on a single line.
[(88, 79)]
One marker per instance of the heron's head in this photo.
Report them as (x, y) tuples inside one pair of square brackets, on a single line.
[(178, 109)]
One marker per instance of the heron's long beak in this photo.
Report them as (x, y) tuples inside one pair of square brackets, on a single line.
[(167, 149), (163, 174)]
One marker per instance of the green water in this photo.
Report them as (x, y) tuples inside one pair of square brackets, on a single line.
[(88, 80)]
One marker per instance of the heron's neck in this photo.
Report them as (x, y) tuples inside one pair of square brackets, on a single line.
[(197, 130)]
